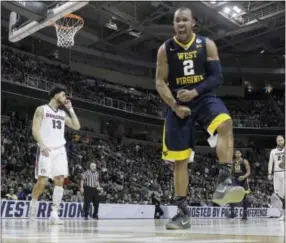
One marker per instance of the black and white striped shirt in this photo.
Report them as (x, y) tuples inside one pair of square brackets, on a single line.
[(90, 178)]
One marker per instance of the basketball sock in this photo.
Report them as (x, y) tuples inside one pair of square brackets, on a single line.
[(33, 203), (57, 198), (182, 204), (224, 172), (180, 198)]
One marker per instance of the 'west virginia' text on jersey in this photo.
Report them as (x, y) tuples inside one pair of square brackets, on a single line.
[(187, 62)]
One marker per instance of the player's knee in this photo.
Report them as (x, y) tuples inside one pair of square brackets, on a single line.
[(59, 180), (226, 127), (42, 181), (181, 163)]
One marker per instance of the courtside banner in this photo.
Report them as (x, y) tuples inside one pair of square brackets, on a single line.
[(223, 212), (73, 210)]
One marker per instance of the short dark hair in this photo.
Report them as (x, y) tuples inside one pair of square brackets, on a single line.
[(57, 89), (184, 9)]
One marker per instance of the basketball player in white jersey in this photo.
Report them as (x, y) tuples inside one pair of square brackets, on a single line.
[(277, 157), (48, 131)]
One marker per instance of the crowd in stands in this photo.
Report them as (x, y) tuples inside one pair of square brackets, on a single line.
[(263, 110), (129, 173)]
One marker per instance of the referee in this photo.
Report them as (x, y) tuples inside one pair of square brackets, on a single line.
[(89, 186)]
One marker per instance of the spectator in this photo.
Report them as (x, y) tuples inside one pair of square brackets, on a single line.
[(11, 195), (20, 194)]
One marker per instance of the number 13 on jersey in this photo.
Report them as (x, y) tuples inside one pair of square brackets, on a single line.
[(188, 67)]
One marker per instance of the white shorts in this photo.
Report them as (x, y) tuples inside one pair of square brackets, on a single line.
[(54, 165), (278, 181)]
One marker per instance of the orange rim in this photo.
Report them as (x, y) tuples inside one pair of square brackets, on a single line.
[(72, 16)]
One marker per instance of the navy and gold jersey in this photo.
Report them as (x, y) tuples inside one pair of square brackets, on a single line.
[(239, 168), (187, 63)]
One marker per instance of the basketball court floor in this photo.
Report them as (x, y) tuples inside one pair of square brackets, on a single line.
[(261, 230)]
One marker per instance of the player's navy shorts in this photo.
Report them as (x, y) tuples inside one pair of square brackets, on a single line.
[(179, 134), (243, 184)]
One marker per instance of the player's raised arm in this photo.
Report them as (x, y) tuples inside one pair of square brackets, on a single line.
[(214, 71), (270, 165), (38, 116), (162, 71), (71, 120)]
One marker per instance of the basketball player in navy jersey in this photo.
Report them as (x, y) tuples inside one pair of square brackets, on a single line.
[(188, 73), (241, 171), (48, 131)]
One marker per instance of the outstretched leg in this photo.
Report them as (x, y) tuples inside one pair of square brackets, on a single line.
[(225, 192)]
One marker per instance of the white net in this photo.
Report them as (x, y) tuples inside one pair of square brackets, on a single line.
[(66, 29)]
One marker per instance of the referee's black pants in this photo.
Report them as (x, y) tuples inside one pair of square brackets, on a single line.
[(90, 194)]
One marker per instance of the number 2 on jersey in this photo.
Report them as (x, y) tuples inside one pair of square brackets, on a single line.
[(188, 67), (57, 124)]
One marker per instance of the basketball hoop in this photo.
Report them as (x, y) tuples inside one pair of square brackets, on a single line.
[(66, 29)]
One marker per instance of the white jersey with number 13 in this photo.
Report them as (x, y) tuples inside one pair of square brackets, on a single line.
[(52, 130)]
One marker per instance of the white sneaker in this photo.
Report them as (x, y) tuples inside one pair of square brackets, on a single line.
[(54, 219), (33, 210)]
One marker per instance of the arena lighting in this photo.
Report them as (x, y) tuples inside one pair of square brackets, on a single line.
[(236, 9), (213, 2), (135, 34), (234, 15), (268, 89), (111, 25), (226, 10)]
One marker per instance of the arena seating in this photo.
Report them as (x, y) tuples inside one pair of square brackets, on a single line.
[(129, 172), (260, 110)]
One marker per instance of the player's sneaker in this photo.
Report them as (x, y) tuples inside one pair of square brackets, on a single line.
[(54, 219), (179, 221), (282, 218), (33, 209), (226, 193)]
